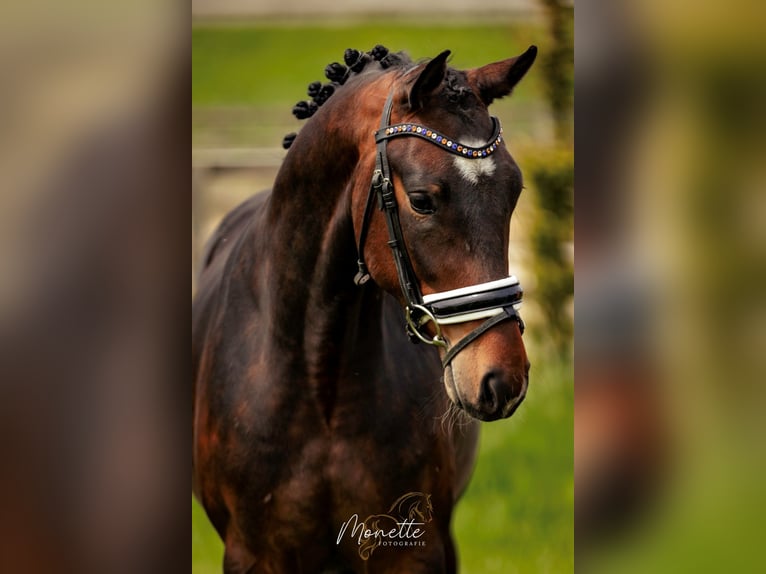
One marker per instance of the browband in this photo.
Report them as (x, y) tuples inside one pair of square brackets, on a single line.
[(443, 141)]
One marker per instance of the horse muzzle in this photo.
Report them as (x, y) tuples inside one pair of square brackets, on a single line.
[(489, 380), (486, 369)]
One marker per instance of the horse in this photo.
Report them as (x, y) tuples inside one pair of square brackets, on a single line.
[(387, 225)]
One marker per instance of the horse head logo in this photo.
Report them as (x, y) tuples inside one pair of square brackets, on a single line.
[(413, 506)]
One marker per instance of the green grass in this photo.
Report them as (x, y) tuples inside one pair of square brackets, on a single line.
[(207, 548), (517, 515)]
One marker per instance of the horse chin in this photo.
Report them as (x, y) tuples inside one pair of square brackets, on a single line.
[(453, 392)]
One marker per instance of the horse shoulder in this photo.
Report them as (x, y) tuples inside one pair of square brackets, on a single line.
[(217, 316)]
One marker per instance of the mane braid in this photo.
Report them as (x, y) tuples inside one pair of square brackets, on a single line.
[(338, 74)]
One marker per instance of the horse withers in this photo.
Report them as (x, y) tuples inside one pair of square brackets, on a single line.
[(313, 410)]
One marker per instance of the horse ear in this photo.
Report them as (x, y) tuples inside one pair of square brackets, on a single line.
[(494, 81), (429, 79)]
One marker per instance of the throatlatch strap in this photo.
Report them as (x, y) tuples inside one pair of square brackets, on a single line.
[(363, 274)]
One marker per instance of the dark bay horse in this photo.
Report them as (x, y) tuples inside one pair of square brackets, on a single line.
[(388, 223)]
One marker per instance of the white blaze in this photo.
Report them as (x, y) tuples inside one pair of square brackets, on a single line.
[(473, 169)]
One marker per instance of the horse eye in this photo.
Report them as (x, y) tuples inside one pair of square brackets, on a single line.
[(422, 203)]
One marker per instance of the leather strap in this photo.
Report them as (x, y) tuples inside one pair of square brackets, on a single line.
[(382, 188), (442, 141), (507, 313)]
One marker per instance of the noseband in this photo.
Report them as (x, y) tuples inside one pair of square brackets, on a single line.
[(495, 301)]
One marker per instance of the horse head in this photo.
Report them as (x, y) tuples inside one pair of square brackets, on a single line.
[(440, 201), (454, 213)]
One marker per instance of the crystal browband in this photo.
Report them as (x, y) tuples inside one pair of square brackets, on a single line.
[(442, 141)]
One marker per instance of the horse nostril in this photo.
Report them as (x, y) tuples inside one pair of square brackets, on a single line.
[(501, 393), (493, 391)]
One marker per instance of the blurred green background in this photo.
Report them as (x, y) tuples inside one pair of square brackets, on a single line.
[(246, 77), (517, 515)]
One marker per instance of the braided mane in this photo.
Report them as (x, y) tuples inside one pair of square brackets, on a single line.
[(338, 74)]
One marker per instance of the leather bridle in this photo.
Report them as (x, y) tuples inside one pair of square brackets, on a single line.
[(496, 301)]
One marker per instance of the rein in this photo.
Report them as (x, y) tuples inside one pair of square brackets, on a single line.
[(497, 301)]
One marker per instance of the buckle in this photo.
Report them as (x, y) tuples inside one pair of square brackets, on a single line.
[(414, 324)]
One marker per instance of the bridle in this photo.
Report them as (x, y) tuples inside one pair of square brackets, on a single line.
[(495, 301)]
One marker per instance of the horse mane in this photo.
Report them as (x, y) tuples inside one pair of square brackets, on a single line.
[(338, 74)]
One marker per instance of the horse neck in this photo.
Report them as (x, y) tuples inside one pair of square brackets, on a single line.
[(311, 236)]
